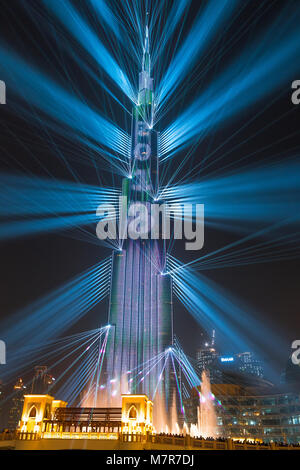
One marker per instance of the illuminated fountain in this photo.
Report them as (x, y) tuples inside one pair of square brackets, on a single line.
[(159, 414), (207, 421), (174, 417)]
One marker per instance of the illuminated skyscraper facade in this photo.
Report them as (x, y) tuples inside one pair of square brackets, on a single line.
[(16, 405), (140, 312)]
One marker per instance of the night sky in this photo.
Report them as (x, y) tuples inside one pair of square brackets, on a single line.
[(35, 265)]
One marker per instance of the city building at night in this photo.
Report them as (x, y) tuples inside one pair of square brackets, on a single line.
[(250, 364), (140, 311), (41, 380), (269, 417), (1, 397), (291, 373), (208, 358), (48, 424), (136, 120), (16, 408), (250, 408)]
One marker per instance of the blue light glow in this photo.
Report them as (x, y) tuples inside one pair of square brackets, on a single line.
[(244, 82), (90, 41), (86, 124), (205, 27), (214, 307), (54, 313), (37, 205)]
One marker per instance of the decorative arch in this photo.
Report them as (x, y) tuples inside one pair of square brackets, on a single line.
[(32, 412), (132, 413)]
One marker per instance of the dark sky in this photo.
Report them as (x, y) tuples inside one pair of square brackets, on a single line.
[(33, 266)]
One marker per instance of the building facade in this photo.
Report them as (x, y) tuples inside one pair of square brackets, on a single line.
[(270, 417), (253, 412), (15, 410), (208, 358), (250, 364), (140, 311)]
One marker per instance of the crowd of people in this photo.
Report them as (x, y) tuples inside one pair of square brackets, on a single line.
[(239, 441)]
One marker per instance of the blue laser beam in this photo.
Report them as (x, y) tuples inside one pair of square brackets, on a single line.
[(264, 194), (31, 85), (76, 25), (55, 312), (213, 306), (105, 14), (37, 205), (242, 84), (202, 32)]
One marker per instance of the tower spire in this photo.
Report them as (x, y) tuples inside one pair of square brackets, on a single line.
[(146, 64), (145, 80)]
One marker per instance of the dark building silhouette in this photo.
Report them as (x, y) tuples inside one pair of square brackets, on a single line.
[(41, 381), (291, 374), (1, 406), (17, 405)]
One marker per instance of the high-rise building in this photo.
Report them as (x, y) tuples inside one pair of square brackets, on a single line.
[(1, 404), (41, 380), (17, 405), (140, 311), (206, 358), (291, 374), (250, 364), (252, 408), (219, 365)]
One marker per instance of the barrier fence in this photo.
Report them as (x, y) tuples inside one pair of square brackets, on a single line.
[(186, 442)]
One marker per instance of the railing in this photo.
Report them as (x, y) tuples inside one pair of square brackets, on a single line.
[(81, 435), (186, 442), (28, 436), (7, 436), (88, 414), (228, 444), (23, 436), (133, 437)]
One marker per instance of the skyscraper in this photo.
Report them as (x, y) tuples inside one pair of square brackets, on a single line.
[(1, 404), (250, 364), (17, 405), (140, 311), (206, 358), (41, 380), (291, 373)]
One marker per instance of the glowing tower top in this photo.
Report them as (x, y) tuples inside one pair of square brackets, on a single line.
[(145, 81)]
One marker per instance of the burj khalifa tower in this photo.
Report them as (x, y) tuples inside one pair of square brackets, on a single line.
[(140, 310)]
